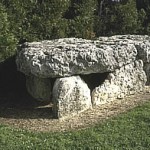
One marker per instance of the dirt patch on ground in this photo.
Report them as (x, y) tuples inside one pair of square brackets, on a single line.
[(31, 116)]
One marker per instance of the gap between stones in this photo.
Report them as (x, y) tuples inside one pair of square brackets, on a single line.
[(95, 79)]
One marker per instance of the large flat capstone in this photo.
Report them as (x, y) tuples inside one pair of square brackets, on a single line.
[(71, 56)]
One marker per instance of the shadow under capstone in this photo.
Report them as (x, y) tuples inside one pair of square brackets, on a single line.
[(95, 79), (15, 102)]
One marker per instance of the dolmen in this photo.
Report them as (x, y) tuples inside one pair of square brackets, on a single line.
[(77, 74)]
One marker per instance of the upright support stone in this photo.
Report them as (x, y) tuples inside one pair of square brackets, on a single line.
[(71, 96), (124, 81), (39, 88)]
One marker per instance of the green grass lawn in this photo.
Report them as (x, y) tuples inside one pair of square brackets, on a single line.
[(129, 131)]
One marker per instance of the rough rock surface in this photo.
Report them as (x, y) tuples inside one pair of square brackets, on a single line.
[(39, 88), (141, 43), (70, 56), (124, 81), (124, 58), (71, 96)]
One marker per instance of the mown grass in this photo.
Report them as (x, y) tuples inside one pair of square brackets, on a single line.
[(129, 131)]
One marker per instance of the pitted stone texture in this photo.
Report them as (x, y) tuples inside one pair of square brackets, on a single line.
[(39, 88), (70, 56), (71, 96), (141, 42), (124, 81), (123, 39), (143, 49)]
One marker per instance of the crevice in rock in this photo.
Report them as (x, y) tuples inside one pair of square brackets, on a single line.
[(95, 79), (52, 82)]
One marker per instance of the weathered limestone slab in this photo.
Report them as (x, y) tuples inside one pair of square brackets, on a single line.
[(71, 96), (126, 58), (39, 88), (70, 56), (141, 42), (124, 81)]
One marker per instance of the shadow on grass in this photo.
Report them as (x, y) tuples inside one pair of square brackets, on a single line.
[(15, 102)]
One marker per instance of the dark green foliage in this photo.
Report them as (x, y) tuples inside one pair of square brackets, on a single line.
[(144, 15), (117, 18), (127, 17), (7, 39), (81, 18), (34, 20)]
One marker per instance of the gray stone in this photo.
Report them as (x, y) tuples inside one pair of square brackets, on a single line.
[(70, 56), (124, 81), (71, 96), (143, 49), (126, 58), (39, 88), (141, 42), (123, 39)]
